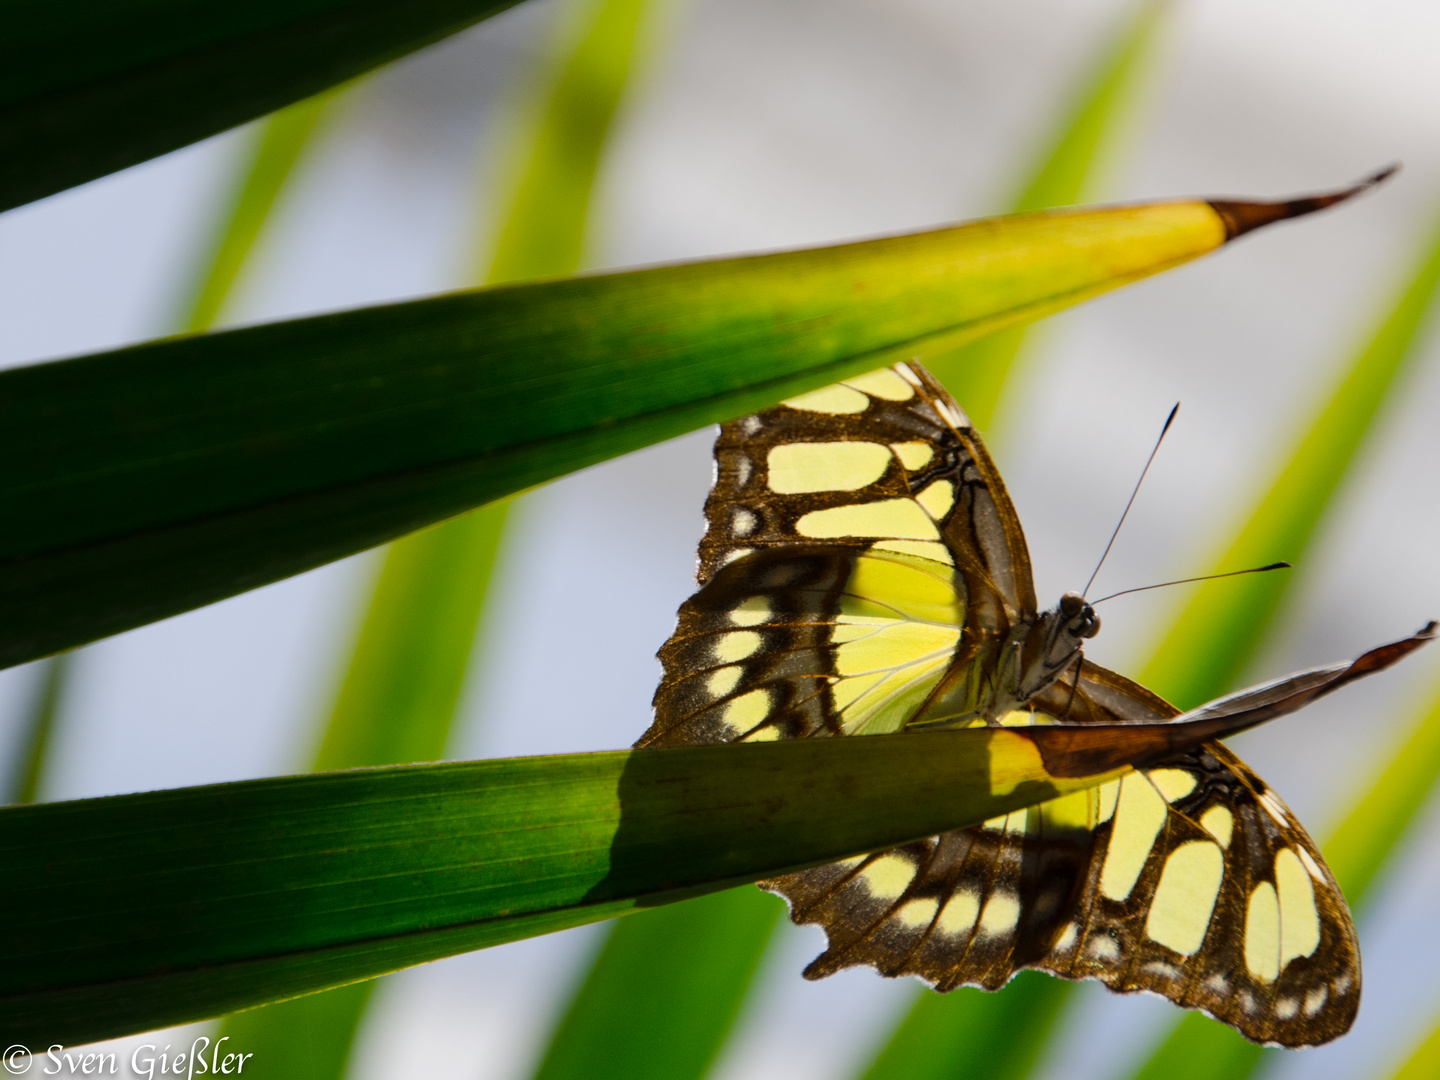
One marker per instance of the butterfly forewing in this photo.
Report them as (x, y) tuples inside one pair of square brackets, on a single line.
[(861, 557)]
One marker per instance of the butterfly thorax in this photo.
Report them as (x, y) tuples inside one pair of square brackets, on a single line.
[(993, 680), (1050, 646)]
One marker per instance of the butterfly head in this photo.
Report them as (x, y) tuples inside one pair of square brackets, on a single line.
[(1053, 643), (1080, 620)]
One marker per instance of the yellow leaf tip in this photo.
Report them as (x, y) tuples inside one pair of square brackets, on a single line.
[(1243, 215)]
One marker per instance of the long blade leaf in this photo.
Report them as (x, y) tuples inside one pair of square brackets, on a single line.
[(155, 479), (91, 86), (139, 911)]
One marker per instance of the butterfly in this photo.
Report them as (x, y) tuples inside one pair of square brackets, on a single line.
[(863, 572)]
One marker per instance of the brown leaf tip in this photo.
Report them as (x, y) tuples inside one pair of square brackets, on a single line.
[(1242, 216)]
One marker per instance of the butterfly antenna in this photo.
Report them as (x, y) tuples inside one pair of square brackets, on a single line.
[(1168, 421), (1186, 581)]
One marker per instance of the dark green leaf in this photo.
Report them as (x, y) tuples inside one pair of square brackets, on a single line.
[(91, 86), (140, 911)]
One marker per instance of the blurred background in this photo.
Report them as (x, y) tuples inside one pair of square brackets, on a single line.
[(747, 126)]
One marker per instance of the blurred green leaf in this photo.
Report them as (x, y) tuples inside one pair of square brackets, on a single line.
[(277, 145), (37, 728), (399, 698), (1219, 630), (970, 1032), (1424, 1063), (544, 233), (664, 990), (400, 693), (91, 86), (1070, 171), (140, 911), (145, 482)]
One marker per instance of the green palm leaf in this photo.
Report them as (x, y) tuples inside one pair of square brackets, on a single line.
[(155, 479), (140, 911), (88, 87)]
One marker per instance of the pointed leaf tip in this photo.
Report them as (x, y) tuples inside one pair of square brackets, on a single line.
[(1243, 216)]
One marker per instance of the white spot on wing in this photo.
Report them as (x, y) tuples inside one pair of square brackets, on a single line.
[(959, 913), (1218, 985), (1286, 1007), (907, 373), (1067, 938), (916, 913), (734, 646), (1103, 947), (952, 415), (1315, 1000), (1273, 807), (887, 877), (1002, 912), (751, 612), (743, 522)]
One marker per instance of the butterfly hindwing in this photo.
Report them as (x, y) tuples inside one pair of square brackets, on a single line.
[(1204, 888), (862, 558)]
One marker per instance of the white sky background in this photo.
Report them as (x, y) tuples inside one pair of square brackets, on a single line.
[(761, 126)]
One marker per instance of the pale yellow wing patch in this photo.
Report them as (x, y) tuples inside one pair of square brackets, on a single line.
[(900, 519), (898, 624), (801, 467)]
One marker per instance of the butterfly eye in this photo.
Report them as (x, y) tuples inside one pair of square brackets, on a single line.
[(1071, 604), (1092, 627)]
